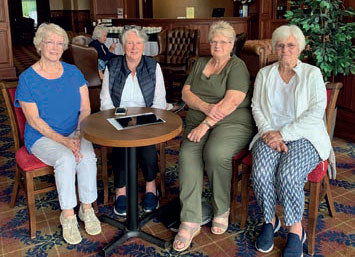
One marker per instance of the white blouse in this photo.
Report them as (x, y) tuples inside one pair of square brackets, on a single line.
[(132, 95), (282, 99)]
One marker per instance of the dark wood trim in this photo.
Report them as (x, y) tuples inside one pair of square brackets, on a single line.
[(239, 24), (74, 20)]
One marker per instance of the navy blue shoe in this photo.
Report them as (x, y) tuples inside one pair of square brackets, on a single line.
[(294, 246), (120, 207), (150, 201), (265, 241)]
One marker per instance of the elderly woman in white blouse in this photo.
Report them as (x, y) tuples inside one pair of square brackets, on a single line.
[(288, 106), (134, 80)]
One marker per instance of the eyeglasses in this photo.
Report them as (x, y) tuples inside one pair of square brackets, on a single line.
[(283, 46), (222, 43), (52, 43), (131, 43)]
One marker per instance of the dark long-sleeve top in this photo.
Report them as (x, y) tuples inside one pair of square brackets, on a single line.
[(102, 51)]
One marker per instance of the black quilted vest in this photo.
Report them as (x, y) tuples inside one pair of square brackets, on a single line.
[(118, 71)]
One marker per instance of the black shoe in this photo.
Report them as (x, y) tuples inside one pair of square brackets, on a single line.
[(120, 207), (151, 201), (294, 246), (265, 241)]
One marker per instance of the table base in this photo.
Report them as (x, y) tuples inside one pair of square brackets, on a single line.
[(132, 233), (132, 226)]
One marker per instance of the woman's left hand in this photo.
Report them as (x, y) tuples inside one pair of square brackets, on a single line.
[(272, 137), (197, 133)]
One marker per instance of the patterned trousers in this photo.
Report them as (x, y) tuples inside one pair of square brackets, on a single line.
[(282, 176)]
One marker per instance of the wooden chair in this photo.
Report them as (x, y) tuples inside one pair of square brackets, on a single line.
[(254, 53), (28, 167), (318, 179)]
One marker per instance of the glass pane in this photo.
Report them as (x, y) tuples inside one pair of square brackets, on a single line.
[(29, 9)]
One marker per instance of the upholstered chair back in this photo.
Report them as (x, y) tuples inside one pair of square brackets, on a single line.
[(178, 45), (85, 58), (257, 54)]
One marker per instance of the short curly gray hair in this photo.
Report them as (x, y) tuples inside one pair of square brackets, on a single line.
[(139, 32), (284, 32), (223, 28), (99, 29), (43, 32)]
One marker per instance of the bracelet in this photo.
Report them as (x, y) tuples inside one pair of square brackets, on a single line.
[(208, 125), (77, 130)]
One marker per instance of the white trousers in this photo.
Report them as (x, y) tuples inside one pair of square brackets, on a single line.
[(65, 168)]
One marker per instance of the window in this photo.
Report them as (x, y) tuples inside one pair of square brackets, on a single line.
[(29, 9)]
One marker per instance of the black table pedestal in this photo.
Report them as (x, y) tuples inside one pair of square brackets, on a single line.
[(132, 227)]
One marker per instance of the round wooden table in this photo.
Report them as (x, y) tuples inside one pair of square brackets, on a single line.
[(98, 130)]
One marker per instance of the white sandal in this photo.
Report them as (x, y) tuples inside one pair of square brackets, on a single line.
[(194, 231), (222, 225)]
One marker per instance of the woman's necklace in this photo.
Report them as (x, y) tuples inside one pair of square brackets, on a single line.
[(218, 67), (56, 70)]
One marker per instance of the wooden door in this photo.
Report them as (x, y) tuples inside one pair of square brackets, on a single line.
[(147, 8), (7, 69)]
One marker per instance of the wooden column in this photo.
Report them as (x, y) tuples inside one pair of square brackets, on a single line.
[(7, 69)]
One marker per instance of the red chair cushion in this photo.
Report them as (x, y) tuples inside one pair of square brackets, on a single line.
[(20, 117), (247, 160), (27, 161), (318, 173), (240, 154)]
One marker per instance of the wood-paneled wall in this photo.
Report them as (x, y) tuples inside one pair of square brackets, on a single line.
[(171, 9), (7, 69), (74, 20), (239, 24)]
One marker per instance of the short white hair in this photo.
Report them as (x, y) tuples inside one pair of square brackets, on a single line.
[(284, 32), (99, 29), (223, 28), (139, 32), (43, 32)]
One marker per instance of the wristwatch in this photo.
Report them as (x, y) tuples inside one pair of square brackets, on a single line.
[(208, 125)]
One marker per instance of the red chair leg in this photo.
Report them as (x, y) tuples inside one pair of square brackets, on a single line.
[(15, 189), (329, 197), (31, 204), (245, 195), (313, 215)]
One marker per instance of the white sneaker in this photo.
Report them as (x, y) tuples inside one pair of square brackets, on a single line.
[(71, 232), (92, 223)]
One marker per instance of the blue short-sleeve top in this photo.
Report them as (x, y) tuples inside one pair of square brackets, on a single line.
[(58, 100)]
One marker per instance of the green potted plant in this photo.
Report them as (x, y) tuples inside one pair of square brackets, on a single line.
[(328, 37)]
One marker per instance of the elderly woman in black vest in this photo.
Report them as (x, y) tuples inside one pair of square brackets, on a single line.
[(134, 80)]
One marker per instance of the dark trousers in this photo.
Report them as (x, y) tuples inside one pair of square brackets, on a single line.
[(147, 159)]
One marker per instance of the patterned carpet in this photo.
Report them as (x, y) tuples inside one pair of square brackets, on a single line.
[(335, 236)]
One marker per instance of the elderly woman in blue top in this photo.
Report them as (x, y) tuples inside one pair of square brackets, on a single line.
[(288, 107), (54, 98), (134, 80)]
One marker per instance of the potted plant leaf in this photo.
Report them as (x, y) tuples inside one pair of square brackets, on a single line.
[(329, 35)]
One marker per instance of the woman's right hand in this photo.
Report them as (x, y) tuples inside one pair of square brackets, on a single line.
[(112, 47)]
